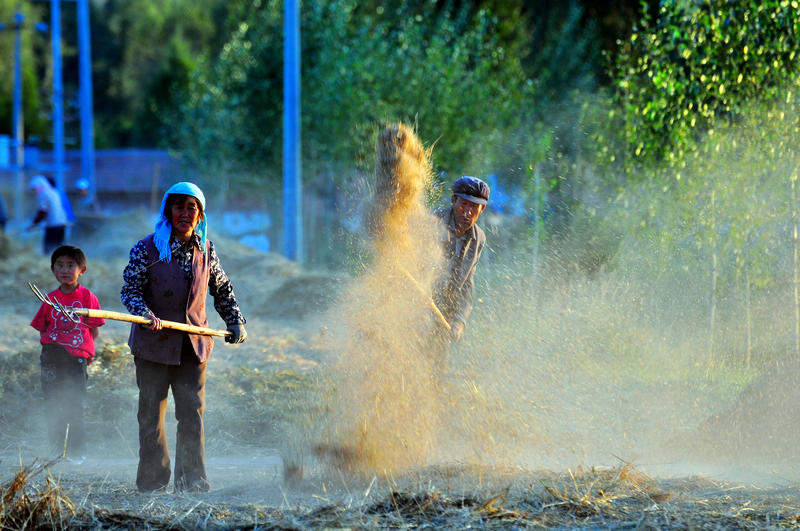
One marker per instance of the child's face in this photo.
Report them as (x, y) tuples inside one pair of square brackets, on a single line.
[(67, 272)]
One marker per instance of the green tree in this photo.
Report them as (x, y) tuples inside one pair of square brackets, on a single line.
[(144, 53), (31, 84), (230, 112), (703, 117), (718, 237), (430, 69), (691, 67)]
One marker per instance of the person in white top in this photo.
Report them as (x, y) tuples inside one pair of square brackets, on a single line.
[(51, 211)]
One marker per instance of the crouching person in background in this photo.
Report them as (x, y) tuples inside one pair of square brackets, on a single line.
[(169, 274)]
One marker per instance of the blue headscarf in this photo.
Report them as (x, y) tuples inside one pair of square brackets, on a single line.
[(164, 227)]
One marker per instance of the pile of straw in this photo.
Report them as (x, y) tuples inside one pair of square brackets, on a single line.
[(45, 507)]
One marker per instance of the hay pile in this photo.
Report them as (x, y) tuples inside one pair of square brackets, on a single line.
[(255, 276), (303, 295), (21, 265), (760, 428), (40, 507)]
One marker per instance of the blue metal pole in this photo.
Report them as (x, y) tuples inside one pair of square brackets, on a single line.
[(58, 94), (292, 182), (18, 123), (85, 70)]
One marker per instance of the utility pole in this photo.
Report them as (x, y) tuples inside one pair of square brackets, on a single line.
[(292, 181), (18, 124), (17, 113), (58, 94), (85, 83)]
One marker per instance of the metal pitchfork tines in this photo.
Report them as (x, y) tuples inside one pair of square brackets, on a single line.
[(68, 313), (74, 315)]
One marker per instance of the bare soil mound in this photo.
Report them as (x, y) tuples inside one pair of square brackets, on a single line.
[(303, 295), (761, 427)]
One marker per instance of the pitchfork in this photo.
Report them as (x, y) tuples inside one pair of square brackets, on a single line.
[(74, 314)]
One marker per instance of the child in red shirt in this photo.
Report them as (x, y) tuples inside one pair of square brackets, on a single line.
[(67, 350)]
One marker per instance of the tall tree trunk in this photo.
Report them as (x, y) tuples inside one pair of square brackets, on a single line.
[(224, 191), (796, 268), (712, 312), (537, 194), (748, 319)]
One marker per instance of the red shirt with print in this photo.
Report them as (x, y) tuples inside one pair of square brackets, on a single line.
[(58, 330)]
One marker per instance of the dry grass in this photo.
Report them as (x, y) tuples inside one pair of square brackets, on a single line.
[(621, 497), (45, 506), (455, 497)]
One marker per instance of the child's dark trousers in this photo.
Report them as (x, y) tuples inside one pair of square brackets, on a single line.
[(64, 380)]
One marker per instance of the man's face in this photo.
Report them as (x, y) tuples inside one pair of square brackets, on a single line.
[(465, 212)]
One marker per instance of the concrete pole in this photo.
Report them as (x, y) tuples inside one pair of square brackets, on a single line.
[(292, 181), (58, 94), (18, 124), (85, 75)]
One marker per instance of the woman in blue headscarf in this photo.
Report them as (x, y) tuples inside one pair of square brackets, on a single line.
[(168, 276)]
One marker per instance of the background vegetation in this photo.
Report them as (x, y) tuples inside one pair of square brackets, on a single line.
[(654, 138)]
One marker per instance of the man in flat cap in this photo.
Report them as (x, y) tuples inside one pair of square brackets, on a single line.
[(463, 242)]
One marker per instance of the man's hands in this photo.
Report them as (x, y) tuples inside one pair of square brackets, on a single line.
[(237, 333)]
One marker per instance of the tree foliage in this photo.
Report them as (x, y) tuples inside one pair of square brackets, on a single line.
[(691, 68), (143, 53), (444, 71), (31, 85)]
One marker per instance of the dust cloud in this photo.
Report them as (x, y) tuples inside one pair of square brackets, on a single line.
[(606, 360), (384, 406), (673, 351)]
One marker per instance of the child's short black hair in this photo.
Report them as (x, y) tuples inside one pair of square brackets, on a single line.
[(70, 251)]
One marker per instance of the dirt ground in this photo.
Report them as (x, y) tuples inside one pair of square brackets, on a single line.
[(262, 472)]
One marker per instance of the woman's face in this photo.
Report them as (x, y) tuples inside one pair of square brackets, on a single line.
[(185, 214)]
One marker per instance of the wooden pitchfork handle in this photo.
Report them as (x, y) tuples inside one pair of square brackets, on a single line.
[(424, 293), (73, 313)]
